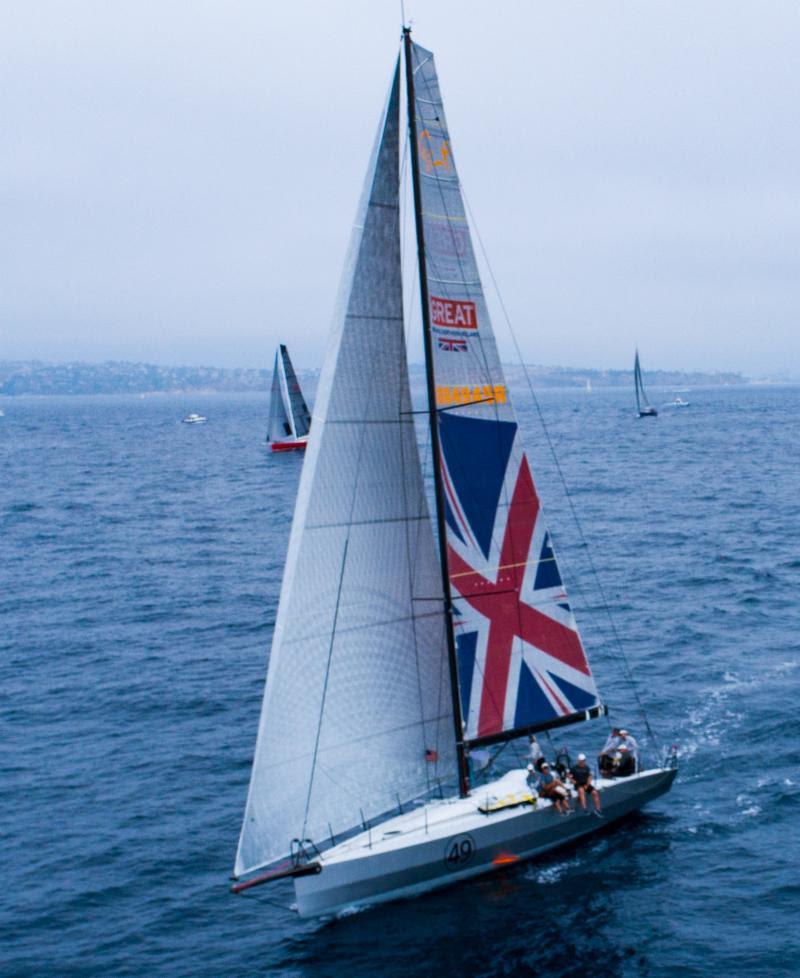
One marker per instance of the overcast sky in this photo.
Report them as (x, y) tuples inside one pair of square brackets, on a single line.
[(178, 180)]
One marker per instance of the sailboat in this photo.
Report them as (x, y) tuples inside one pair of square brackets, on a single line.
[(405, 639), (643, 406), (289, 417)]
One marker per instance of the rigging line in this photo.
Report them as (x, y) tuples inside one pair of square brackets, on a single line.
[(404, 393), (324, 689), (484, 367), (423, 457), (595, 575), (495, 540), (394, 731), (449, 218), (381, 147)]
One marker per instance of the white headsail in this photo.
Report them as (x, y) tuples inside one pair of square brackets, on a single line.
[(357, 702)]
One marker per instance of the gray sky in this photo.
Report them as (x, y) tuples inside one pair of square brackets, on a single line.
[(177, 180)]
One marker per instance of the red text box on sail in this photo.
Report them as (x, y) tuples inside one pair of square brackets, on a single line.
[(453, 313)]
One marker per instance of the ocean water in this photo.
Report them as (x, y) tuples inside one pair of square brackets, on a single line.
[(141, 563)]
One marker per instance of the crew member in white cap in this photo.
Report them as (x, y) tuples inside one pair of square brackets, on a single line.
[(626, 765), (630, 742), (580, 774)]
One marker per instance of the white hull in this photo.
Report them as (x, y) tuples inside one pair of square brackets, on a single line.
[(450, 840)]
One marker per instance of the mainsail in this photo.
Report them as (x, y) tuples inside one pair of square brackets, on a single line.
[(357, 711), (521, 663), (289, 416)]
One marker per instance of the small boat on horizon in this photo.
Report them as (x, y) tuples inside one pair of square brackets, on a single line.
[(679, 402), (194, 419), (643, 405), (289, 417)]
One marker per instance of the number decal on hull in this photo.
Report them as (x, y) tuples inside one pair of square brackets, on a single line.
[(458, 851)]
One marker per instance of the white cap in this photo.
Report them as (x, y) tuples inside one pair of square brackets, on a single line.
[(581, 757), (530, 767), (623, 733)]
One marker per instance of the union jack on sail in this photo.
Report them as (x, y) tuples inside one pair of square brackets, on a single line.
[(455, 345), (521, 662)]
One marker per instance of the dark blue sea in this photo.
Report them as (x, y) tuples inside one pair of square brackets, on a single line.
[(141, 564)]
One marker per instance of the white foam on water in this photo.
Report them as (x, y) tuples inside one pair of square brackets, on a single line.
[(349, 912), (548, 875), (711, 720)]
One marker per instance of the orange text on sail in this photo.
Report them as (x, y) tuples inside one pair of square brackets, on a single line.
[(433, 155), (478, 394)]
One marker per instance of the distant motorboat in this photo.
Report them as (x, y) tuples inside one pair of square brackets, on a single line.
[(679, 402), (643, 406), (194, 419), (289, 417)]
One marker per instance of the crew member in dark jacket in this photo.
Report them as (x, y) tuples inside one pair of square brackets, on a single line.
[(580, 774)]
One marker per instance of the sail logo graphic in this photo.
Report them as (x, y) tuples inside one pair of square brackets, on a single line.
[(479, 394), (453, 313), (454, 345), (433, 152)]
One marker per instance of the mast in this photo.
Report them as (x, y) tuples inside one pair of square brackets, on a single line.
[(458, 724)]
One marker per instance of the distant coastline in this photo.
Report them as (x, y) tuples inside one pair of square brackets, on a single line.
[(123, 377)]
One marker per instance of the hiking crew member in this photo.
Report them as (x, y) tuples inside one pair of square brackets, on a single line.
[(626, 740), (554, 790), (626, 766), (581, 776)]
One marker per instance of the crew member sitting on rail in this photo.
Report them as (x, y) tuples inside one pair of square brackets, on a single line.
[(580, 775), (626, 765), (629, 742), (550, 787), (607, 759)]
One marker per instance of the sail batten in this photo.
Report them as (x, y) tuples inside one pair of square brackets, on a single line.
[(353, 709), (521, 663)]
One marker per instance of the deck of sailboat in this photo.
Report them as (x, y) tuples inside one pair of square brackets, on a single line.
[(443, 818), (451, 839)]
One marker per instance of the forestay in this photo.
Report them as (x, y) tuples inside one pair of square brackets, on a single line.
[(520, 658), (357, 693)]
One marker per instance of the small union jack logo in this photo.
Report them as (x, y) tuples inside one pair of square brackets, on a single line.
[(453, 345)]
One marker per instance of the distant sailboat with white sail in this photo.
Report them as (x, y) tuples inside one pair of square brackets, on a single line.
[(289, 417), (643, 406), (404, 642)]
